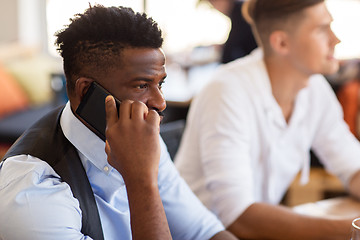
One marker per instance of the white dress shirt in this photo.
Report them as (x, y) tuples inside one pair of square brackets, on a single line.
[(238, 149), (35, 204)]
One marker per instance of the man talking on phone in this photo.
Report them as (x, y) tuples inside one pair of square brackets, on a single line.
[(61, 181)]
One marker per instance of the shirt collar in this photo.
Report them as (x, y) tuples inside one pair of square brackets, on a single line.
[(270, 104), (84, 140), (262, 80), (263, 85)]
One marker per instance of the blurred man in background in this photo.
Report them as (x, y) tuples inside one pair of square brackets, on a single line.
[(249, 132)]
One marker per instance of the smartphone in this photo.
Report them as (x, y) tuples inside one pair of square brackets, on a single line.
[(92, 108)]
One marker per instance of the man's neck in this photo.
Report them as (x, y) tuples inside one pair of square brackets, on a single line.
[(286, 82)]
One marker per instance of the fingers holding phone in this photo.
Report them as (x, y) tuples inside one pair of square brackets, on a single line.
[(111, 111), (132, 138)]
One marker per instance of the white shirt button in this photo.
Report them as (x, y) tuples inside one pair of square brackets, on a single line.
[(106, 168)]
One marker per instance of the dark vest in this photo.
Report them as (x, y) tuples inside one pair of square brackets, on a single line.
[(46, 141)]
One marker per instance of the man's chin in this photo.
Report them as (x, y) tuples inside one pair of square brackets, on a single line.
[(332, 68)]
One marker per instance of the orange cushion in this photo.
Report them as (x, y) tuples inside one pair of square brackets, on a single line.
[(12, 97), (348, 96)]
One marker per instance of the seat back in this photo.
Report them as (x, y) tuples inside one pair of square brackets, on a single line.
[(171, 133)]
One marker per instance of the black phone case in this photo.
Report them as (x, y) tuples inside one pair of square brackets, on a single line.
[(92, 108)]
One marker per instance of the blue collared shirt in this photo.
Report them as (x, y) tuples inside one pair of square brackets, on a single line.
[(35, 204)]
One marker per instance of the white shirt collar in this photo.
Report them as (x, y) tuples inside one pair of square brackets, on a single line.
[(262, 83), (84, 140), (271, 107)]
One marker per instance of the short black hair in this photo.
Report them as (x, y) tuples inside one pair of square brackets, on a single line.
[(93, 40)]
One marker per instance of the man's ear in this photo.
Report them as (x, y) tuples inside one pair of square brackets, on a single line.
[(82, 84), (279, 42)]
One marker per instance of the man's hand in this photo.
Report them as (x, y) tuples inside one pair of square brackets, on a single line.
[(133, 148), (132, 140)]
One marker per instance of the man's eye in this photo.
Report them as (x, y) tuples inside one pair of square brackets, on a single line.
[(141, 86), (161, 83)]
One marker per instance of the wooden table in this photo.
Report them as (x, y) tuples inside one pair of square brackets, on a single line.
[(340, 207)]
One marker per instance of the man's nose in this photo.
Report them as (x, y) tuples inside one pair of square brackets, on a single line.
[(335, 39), (157, 100)]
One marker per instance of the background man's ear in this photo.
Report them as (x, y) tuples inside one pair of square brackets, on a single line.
[(82, 84), (279, 42)]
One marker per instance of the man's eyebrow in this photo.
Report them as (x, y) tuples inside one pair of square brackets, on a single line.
[(328, 23), (144, 79), (324, 25), (138, 79)]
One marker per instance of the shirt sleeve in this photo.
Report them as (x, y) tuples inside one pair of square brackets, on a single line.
[(334, 144), (35, 204), (188, 218)]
